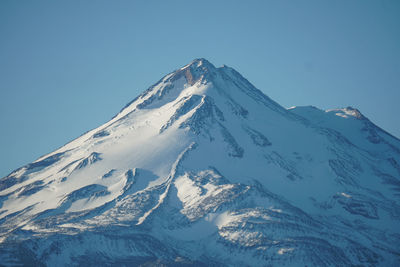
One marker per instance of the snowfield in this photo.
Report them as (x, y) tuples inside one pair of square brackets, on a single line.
[(203, 169)]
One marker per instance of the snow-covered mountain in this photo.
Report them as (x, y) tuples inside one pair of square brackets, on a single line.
[(204, 169)]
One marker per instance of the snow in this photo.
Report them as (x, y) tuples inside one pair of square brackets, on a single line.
[(345, 195), (213, 169), (282, 251)]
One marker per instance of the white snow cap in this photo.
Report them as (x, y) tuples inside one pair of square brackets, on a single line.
[(348, 111)]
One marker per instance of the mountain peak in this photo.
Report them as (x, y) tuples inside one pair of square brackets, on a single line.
[(348, 112), (198, 62), (198, 65), (200, 77)]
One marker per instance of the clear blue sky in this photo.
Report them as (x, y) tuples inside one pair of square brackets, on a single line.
[(68, 66)]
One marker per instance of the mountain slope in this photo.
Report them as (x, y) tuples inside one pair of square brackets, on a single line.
[(204, 169)]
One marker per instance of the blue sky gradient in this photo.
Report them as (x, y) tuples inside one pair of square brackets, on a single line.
[(69, 66)]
